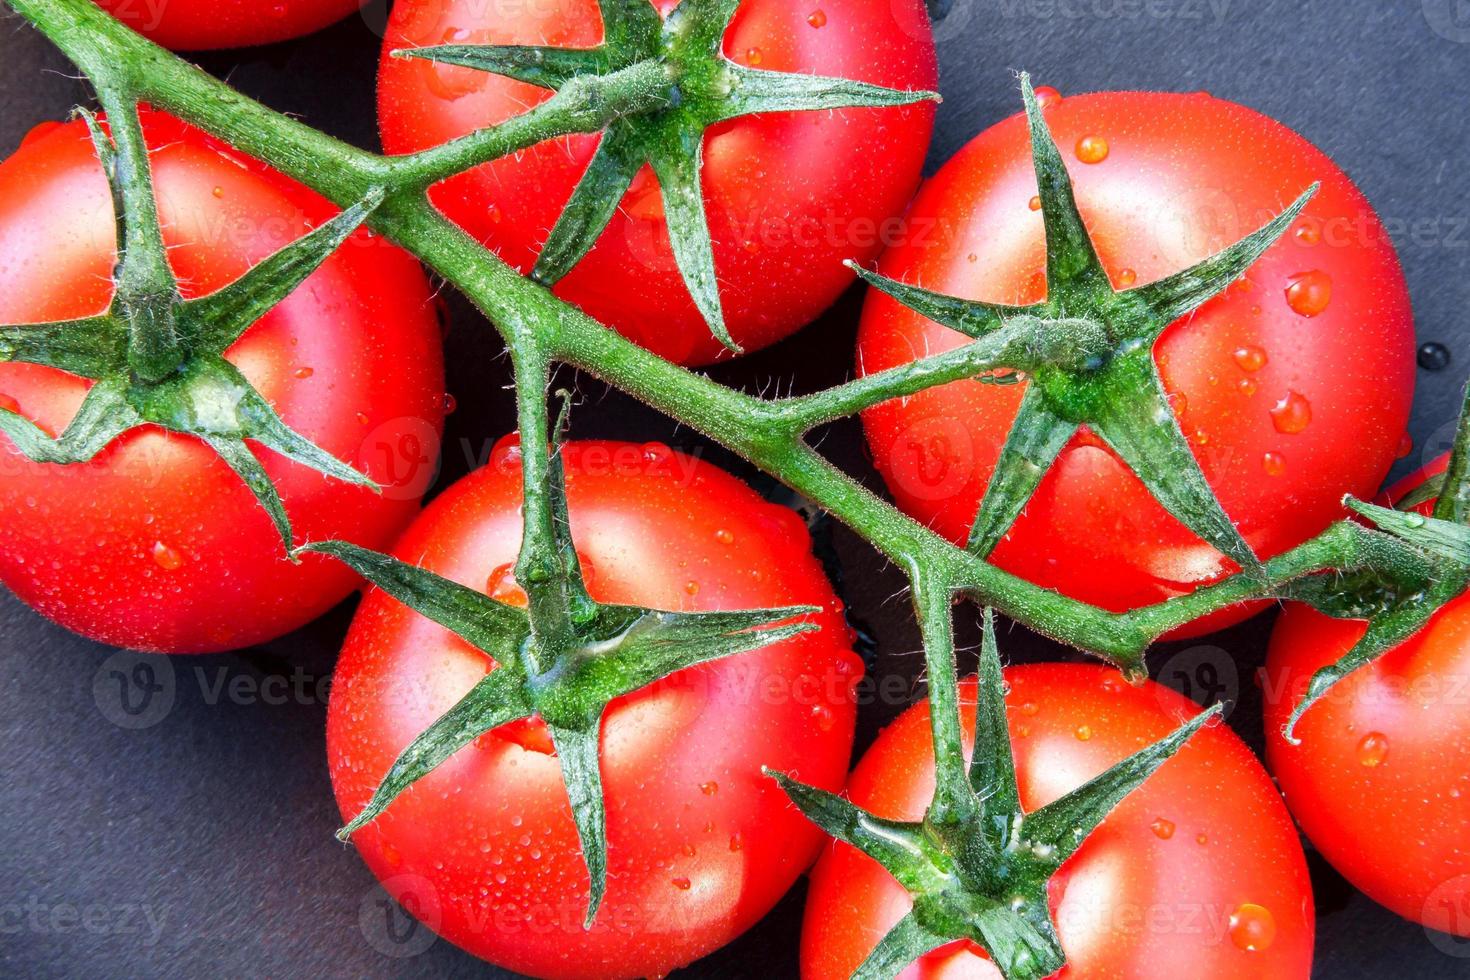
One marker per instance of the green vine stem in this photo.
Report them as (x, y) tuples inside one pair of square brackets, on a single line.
[(768, 433)]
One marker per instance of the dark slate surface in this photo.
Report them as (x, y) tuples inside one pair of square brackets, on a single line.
[(202, 845)]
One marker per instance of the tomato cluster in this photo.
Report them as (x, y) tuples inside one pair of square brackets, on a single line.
[(1290, 387)]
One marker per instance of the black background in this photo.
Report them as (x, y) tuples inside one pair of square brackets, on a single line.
[(218, 819)]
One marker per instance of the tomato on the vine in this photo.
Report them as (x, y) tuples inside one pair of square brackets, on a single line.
[(197, 25), (700, 843), (1381, 780), (1198, 873), (784, 201), (1292, 388), (156, 543)]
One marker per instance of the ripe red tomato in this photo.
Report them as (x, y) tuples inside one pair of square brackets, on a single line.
[(156, 544), (1292, 388), (1197, 874), (784, 201), (200, 24), (700, 843), (1381, 779)]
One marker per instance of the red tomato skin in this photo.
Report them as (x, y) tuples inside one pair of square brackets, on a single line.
[(157, 544), (1185, 176), (785, 204), (1227, 841), (1381, 780), (700, 843), (197, 25)]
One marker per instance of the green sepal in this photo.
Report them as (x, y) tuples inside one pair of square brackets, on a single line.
[(993, 763), (970, 317), (900, 946), (496, 700), (581, 773), (535, 65), (89, 347), (679, 184), (755, 91), (1138, 423), (1037, 437), (1444, 539), (591, 206), (103, 416)]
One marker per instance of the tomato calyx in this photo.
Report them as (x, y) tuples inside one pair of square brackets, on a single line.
[(158, 359), (563, 659), (1097, 366), (705, 89), (1412, 565), (977, 865)]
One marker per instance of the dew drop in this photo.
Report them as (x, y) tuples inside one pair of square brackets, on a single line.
[(1249, 357), (691, 587), (1246, 386), (736, 842), (1405, 447), (167, 558), (450, 403), (1252, 927), (710, 788), (683, 884), (1273, 463), (305, 372), (1047, 95), (1201, 839), (817, 19), (506, 455), (1309, 293), (972, 258), (1127, 277), (1092, 149), (1308, 234), (1434, 356), (503, 587), (1083, 733), (822, 715), (1292, 414), (1372, 750), (753, 56), (1030, 708), (724, 537), (218, 192), (362, 418), (1163, 829), (656, 453), (1035, 203), (452, 82)]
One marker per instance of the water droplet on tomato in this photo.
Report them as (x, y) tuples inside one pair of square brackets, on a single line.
[(1029, 708), (683, 884), (305, 372), (710, 788), (1035, 203), (691, 587), (736, 842), (817, 19), (822, 715), (218, 192), (1163, 829), (1309, 293), (503, 587), (1273, 463), (1083, 733), (1249, 357), (972, 258), (166, 558), (450, 403), (1201, 839), (1372, 750), (1252, 927), (1127, 277), (724, 537), (278, 11), (1292, 413), (362, 418), (1246, 386), (1093, 149), (1047, 95), (1308, 234), (452, 82), (1406, 446), (753, 56), (506, 454), (656, 453)]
